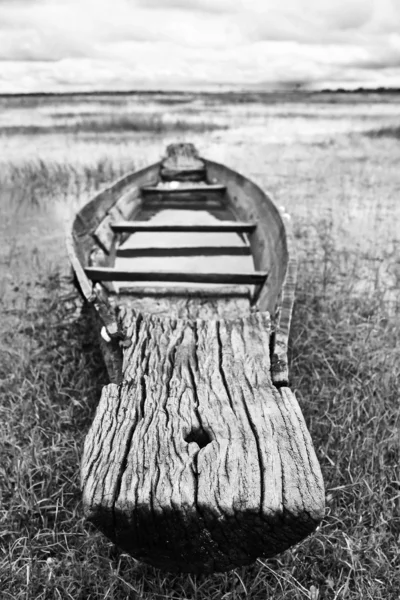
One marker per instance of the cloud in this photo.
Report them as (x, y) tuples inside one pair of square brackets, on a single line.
[(124, 43), (203, 6)]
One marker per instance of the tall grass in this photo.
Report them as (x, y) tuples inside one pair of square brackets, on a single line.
[(38, 182), (385, 132), (345, 368), (123, 123)]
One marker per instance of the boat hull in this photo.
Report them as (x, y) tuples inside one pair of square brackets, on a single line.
[(198, 458)]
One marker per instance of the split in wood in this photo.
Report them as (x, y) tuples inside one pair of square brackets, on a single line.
[(197, 462)]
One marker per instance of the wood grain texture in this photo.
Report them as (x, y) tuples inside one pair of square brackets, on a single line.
[(222, 302), (197, 462)]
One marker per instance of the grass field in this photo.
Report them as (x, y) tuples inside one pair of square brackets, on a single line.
[(334, 165)]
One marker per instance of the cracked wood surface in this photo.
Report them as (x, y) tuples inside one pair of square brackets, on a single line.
[(196, 462)]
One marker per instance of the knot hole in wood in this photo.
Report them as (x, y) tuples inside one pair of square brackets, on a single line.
[(198, 436)]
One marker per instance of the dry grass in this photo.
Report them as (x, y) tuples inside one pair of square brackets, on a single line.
[(385, 132), (124, 123), (345, 363)]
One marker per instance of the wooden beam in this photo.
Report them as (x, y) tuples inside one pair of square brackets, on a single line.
[(221, 226), (186, 196), (109, 274), (170, 203), (183, 189), (184, 251)]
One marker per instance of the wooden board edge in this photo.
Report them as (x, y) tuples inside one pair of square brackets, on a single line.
[(85, 285), (279, 353)]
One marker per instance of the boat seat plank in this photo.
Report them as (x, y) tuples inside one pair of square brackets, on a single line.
[(198, 444), (184, 251), (110, 274), (198, 204), (221, 226), (185, 188)]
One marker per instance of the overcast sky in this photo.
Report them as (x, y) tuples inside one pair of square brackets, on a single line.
[(57, 45)]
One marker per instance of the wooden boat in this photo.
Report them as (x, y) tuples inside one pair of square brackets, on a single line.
[(198, 458)]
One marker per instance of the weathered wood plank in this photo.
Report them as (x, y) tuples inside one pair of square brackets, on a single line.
[(208, 205), (218, 302), (208, 195), (197, 462), (221, 226), (110, 274), (184, 251)]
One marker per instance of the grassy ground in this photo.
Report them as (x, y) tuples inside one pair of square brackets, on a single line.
[(130, 123), (345, 369)]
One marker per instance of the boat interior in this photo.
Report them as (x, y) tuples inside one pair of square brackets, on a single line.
[(182, 228)]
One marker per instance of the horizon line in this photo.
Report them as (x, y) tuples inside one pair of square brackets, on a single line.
[(294, 90)]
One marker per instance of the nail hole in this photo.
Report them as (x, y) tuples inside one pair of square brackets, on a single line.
[(198, 436)]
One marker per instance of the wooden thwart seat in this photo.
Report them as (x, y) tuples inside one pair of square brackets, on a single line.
[(177, 203), (220, 226), (111, 274), (197, 462), (184, 196), (183, 189), (183, 251)]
